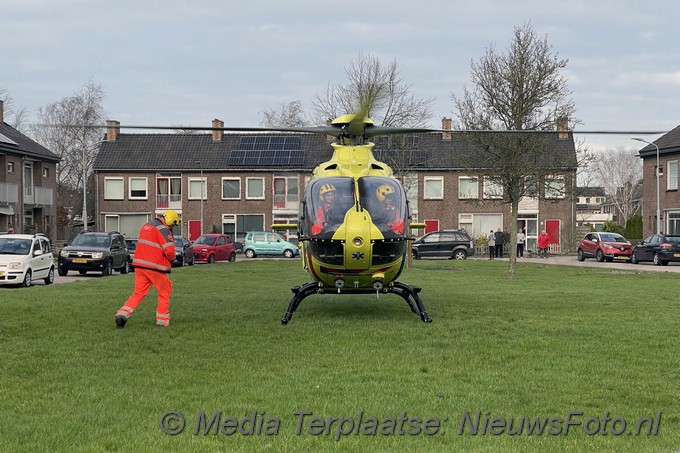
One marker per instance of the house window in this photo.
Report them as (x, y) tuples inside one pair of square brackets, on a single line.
[(113, 189), (672, 182), (197, 189), (231, 188), (492, 189), (554, 186), (255, 188), (10, 167), (138, 189), (479, 224), (46, 172), (530, 187), (468, 187), (286, 191), (673, 222), (433, 188)]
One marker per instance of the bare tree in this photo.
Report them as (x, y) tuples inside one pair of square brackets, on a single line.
[(379, 87), (13, 116), (76, 144), (620, 172), (289, 114), (521, 90)]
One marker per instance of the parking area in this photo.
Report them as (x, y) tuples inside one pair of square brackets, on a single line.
[(571, 260)]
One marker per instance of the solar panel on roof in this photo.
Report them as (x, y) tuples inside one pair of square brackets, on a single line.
[(267, 150), (6, 139)]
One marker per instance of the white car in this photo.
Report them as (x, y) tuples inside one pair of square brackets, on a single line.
[(25, 258)]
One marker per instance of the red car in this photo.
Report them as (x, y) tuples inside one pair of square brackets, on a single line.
[(214, 247), (604, 246)]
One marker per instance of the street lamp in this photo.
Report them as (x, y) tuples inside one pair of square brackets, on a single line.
[(198, 162), (658, 208)]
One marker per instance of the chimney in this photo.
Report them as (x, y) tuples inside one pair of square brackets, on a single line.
[(2, 111), (446, 126), (217, 133), (562, 128), (112, 130)]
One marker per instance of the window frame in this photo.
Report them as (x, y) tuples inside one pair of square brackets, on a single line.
[(248, 187), (203, 193), (146, 188), (462, 196), (672, 179), (432, 179), (112, 179), (224, 197)]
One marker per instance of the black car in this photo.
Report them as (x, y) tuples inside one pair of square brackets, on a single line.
[(184, 252), (657, 248), (91, 251), (450, 244)]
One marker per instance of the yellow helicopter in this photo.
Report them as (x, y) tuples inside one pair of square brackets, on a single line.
[(354, 220)]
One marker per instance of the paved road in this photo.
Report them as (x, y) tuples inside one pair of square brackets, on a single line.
[(572, 261)]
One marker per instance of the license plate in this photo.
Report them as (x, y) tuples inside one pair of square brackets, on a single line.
[(677, 255), (80, 260), (1, 274)]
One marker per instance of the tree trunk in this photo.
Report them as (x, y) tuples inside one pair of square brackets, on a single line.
[(512, 264)]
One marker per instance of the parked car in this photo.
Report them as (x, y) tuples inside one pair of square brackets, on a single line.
[(657, 248), (604, 246), (445, 243), (268, 243), (25, 258), (184, 252), (92, 251), (214, 247), (131, 244)]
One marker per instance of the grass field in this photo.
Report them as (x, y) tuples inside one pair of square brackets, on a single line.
[(595, 346)]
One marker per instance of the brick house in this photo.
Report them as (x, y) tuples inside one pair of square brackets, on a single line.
[(28, 183), (669, 199), (242, 182)]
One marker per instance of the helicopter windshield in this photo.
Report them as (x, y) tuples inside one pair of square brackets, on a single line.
[(385, 200), (327, 201)]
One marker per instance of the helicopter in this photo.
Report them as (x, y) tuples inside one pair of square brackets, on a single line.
[(354, 220)]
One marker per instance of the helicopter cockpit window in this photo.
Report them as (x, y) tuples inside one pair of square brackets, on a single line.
[(328, 200), (385, 200)]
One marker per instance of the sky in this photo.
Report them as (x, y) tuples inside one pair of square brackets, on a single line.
[(184, 62)]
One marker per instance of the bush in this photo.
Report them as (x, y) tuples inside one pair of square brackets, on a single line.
[(613, 227), (634, 226)]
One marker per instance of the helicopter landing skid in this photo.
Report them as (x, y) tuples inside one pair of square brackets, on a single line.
[(407, 292)]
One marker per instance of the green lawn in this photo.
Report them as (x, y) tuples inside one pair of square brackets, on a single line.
[(596, 343)]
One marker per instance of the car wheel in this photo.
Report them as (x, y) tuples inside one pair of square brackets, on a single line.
[(414, 255), (62, 272), (580, 255), (82, 272), (599, 255), (459, 255), (126, 267), (211, 259), (664, 263), (633, 259), (250, 253), (50, 277), (28, 279), (288, 254), (232, 257), (657, 260), (108, 269)]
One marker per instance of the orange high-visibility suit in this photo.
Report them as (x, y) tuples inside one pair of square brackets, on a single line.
[(154, 255)]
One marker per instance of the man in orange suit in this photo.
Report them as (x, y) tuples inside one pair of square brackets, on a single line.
[(154, 255)]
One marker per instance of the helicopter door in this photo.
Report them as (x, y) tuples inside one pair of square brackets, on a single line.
[(327, 200), (385, 200)]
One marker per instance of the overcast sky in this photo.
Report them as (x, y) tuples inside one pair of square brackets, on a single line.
[(186, 62)]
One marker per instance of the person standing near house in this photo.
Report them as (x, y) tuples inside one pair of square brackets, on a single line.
[(499, 236), (491, 244), (153, 259), (521, 237), (543, 244)]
